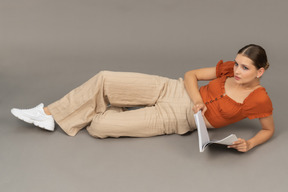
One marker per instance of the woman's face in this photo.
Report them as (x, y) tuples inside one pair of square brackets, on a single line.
[(245, 72)]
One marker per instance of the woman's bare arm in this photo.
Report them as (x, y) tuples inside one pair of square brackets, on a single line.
[(262, 136), (191, 79)]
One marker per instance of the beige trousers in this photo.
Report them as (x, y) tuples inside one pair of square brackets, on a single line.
[(163, 106)]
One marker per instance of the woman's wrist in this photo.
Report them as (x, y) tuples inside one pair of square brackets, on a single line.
[(250, 144)]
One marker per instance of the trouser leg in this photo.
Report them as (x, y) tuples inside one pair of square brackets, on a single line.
[(171, 114), (77, 109), (143, 122)]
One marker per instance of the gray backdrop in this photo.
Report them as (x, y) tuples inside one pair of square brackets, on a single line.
[(49, 47)]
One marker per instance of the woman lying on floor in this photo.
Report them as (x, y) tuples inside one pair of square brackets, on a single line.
[(166, 106)]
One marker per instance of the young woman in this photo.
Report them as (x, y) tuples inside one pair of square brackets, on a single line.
[(164, 106)]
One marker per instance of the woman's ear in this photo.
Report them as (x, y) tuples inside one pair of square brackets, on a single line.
[(260, 72)]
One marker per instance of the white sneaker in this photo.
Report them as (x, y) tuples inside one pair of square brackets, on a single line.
[(35, 116)]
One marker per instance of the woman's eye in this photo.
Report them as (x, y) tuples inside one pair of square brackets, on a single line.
[(245, 68), (236, 64)]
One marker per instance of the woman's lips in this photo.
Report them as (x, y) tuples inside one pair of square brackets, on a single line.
[(237, 78)]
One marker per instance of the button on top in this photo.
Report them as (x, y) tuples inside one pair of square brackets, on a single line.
[(216, 99)]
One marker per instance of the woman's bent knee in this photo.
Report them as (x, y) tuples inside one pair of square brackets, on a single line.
[(101, 129), (97, 132)]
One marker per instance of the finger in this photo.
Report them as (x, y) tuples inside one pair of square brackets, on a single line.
[(204, 110), (232, 146), (239, 147), (242, 149), (196, 108), (239, 141), (236, 145)]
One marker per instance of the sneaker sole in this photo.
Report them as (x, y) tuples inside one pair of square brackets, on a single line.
[(36, 123)]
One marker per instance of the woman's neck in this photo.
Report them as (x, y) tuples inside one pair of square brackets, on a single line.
[(248, 86)]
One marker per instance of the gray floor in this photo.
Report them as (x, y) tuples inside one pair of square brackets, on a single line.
[(49, 47)]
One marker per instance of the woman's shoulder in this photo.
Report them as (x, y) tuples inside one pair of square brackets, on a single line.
[(259, 96), (258, 101), (258, 104)]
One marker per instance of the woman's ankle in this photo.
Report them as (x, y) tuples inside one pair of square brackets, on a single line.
[(46, 110)]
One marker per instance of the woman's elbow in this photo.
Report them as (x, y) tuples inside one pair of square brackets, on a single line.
[(188, 75)]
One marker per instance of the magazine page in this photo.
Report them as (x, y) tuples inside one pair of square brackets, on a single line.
[(227, 140), (202, 131), (203, 135)]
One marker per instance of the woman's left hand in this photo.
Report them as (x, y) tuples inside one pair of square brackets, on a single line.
[(241, 145)]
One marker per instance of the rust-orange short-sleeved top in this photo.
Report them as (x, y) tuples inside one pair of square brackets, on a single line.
[(222, 110)]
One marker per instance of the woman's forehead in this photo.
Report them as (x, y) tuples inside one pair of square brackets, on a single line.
[(242, 59)]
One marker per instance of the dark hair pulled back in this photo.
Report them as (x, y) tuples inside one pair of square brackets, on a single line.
[(257, 54)]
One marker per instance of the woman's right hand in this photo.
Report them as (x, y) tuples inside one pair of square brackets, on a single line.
[(200, 106)]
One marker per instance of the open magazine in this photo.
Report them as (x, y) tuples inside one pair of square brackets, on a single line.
[(203, 136)]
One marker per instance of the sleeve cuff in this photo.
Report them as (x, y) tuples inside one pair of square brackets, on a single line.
[(262, 115)]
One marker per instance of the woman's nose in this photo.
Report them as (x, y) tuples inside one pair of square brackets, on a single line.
[(237, 70)]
